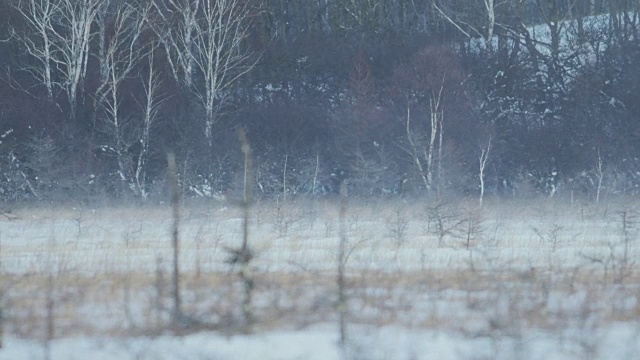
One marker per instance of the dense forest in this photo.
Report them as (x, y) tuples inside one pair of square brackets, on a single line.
[(509, 98)]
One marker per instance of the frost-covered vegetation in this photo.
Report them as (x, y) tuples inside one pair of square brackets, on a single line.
[(425, 279)]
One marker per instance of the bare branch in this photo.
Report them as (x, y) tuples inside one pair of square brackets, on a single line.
[(450, 20)]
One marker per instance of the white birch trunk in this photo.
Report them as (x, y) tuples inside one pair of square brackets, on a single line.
[(414, 151), (484, 160)]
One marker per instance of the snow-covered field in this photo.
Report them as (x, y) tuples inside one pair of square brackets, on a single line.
[(425, 280), (320, 343)]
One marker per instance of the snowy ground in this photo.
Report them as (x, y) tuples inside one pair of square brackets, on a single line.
[(320, 343), (425, 281)]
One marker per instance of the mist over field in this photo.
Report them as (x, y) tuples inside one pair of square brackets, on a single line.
[(422, 279), (336, 179)]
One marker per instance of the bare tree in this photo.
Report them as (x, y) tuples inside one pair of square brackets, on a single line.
[(38, 38), (176, 27), (72, 45), (219, 55), (58, 36), (205, 38), (153, 102), (432, 148), (429, 84), (122, 53)]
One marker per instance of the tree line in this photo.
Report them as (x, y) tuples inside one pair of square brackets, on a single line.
[(436, 97)]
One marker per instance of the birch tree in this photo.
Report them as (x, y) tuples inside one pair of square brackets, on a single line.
[(71, 44), (428, 84), (415, 152), (219, 56), (38, 38), (153, 101), (122, 53), (57, 36), (429, 151), (202, 41), (175, 24)]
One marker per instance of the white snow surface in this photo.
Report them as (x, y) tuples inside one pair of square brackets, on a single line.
[(619, 341)]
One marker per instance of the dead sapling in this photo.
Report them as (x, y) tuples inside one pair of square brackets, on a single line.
[(443, 221), (198, 243), (79, 219), (159, 308), (628, 233), (126, 283), (328, 227), (551, 237), (473, 232), (398, 227), (473, 227), (284, 219)]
